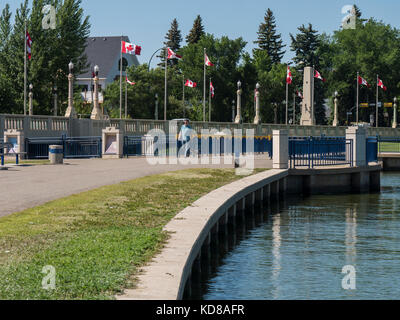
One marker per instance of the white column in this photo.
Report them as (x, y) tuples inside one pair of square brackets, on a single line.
[(70, 112), (359, 137), (238, 118), (335, 119), (280, 145)]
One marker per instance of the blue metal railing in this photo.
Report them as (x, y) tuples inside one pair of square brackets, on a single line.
[(388, 144), (312, 152), (82, 147)]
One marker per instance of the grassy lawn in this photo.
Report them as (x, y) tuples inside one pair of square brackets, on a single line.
[(96, 240), (389, 147)]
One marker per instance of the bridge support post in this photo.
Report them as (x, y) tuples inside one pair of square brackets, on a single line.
[(280, 146), (359, 137)]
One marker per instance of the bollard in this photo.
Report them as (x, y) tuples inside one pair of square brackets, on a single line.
[(56, 155)]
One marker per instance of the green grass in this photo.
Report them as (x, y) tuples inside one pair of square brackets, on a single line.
[(389, 147), (96, 240)]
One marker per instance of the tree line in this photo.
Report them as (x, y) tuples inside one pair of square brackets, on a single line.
[(371, 48)]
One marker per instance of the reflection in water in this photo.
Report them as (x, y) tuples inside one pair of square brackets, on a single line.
[(276, 262), (299, 247)]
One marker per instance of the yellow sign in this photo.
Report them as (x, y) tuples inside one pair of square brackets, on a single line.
[(363, 105), (388, 105)]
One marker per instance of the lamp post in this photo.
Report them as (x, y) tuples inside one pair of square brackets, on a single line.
[(156, 109), (30, 100), (335, 115), (233, 111), (70, 112), (96, 112), (275, 113), (394, 124), (55, 100), (257, 118), (238, 118)]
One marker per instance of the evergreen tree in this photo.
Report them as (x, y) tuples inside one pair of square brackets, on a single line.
[(196, 32), (173, 40), (305, 45), (268, 39)]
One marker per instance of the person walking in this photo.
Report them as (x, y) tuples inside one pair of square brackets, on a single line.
[(184, 136)]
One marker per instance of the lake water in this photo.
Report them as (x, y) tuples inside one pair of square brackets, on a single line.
[(296, 250)]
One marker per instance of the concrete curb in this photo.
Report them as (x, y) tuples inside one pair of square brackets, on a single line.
[(165, 277)]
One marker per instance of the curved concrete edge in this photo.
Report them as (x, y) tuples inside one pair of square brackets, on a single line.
[(165, 277)]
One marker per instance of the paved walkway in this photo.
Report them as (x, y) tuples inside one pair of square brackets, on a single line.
[(25, 187)]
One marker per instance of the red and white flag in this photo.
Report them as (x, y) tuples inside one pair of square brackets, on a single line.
[(289, 77), (173, 55), (130, 82), (191, 84), (208, 62), (130, 48), (318, 76), (28, 45), (298, 93), (380, 84), (362, 81), (212, 89)]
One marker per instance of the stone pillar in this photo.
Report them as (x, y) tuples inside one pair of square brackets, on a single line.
[(113, 143), (335, 118), (280, 152), (394, 124), (96, 112), (70, 112), (306, 107), (17, 138), (257, 119), (30, 103), (359, 137), (238, 118)]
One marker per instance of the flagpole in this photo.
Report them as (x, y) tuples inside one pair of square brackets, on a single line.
[(165, 85), (183, 96), (120, 83), (209, 103), (294, 108), (204, 88), (287, 98), (25, 73), (357, 98), (377, 100), (126, 95)]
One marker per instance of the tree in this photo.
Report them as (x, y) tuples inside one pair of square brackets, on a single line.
[(196, 32), (306, 45), (173, 40), (268, 39)]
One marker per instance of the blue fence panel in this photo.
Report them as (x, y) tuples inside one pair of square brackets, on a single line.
[(372, 149), (389, 144), (82, 147)]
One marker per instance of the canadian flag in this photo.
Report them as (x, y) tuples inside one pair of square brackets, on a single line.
[(191, 84), (130, 82), (298, 93), (380, 84), (29, 45), (212, 89), (130, 48), (173, 55), (318, 76), (362, 81), (208, 62), (289, 77)]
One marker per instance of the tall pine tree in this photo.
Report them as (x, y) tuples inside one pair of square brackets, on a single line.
[(305, 45), (268, 39), (173, 40), (196, 32)]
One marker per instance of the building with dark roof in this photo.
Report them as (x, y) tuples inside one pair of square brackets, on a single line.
[(106, 53)]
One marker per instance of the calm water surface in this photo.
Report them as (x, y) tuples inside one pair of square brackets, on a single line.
[(298, 252)]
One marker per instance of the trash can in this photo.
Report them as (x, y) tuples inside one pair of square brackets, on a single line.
[(56, 155)]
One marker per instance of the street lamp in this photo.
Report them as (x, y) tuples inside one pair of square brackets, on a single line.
[(335, 115), (233, 110), (70, 112), (30, 100), (156, 110), (55, 100), (96, 112), (394, 124), (257, 118), (238, 118)]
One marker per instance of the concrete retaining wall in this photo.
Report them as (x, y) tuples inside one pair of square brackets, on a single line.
[(390, 161), (193, 229)]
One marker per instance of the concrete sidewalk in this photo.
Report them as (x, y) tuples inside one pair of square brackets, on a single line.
[(27, 186)]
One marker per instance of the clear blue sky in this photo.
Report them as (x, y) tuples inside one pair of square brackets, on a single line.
[(147, 21)]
